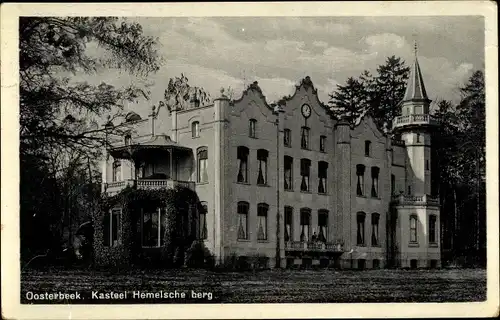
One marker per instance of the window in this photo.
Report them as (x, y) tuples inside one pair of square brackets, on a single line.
[(112, 226), (262, 158), (322, 143), (409, 190), (360, 228), (128, 138), (195, 129), (203, 221), (252, 128), (323, 225), (305, 170), (242, 164), (360, 186), (202, 164), (243, 220), (305, 223), (375, 172), (153, 227), (322, 176), (418, 137), (304, 139), (288, 223), (393, 184), (413, 229), (288, 164), (367, 148), (287, 138), (426, 164), (432, 229), (375, 234), (117, 170), (262, 210)]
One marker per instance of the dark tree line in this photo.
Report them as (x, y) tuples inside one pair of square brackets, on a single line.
[(458, 146)]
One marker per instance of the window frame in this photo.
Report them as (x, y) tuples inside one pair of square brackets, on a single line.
[(195, 129), (323, 168), (323, 213), (433, 239), (375, 182), (287, 138), (203, 229), (262, 159), (305, 214), (305, 133), (158, 211), (246, 205), (288, 160), (117, 170), (243, 153), (375, 224), (322, 143), (110, 242), (263, 211), (288, 217), (252, 128), (304, 162), (413, 239), (360, 183), (368, 148), (360, 229), (199, 153)]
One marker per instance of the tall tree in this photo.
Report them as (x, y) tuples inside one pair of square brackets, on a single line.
[(349, 101), (180, 94)]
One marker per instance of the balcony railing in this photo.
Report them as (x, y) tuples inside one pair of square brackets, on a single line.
[(314, 246), (115, 187), (425, 199), (414, 119)]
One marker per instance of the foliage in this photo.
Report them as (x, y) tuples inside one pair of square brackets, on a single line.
[(198, 256), (179, 93), (349, 101)]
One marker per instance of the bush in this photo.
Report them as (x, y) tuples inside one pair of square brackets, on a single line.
[(198, 256), (258, 261)]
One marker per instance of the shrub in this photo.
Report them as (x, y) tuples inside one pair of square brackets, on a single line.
[(198, 256), (258, 261)]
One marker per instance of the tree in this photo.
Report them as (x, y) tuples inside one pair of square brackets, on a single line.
[(349, 101), (59, 133), (179, 94)]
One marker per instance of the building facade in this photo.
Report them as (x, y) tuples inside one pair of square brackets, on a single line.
[(288, 181)]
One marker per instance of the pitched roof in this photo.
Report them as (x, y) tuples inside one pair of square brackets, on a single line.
[(415, 88)]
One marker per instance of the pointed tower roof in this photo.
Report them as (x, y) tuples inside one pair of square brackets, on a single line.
[(415, 88)]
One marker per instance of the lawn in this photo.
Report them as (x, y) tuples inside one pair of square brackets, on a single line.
[(265, 286)]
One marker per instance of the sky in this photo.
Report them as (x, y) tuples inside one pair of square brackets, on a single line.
[(278, 52)]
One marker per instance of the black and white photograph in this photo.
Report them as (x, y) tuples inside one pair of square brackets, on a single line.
[(191, 158)]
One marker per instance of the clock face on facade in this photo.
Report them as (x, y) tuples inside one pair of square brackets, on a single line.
[(306, 110)]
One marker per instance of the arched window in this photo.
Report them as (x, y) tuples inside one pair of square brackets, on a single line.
[(243, 208), (242, 164), (203, 220), (360, 218), (304, 139), (195, 129), (305, 224), (288, 164), (360, 186), (262, 156), (252, 130), (322, 176), (262, 209), (288, 223), (375, 173), (202, 153), (413, 228), (322, 225), (368, 145), (375, 233)]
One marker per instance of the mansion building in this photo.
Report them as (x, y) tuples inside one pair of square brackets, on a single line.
[(287, 181)]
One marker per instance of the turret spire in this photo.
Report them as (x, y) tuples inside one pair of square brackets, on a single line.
[(415, 88)]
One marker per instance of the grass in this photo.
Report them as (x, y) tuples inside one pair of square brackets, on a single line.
[(272, 286)]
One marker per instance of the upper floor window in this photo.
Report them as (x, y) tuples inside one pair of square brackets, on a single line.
[(153, 227), (322, 225), (432, 229), (305, 224), (117, 170), (305, 172), (287, 138), (418, 137), (202, 164), (304, 138), (242, 164), (288, 223), (393, 184), (360, 185), (203, 221), (243, 220), (322, 176), (195, 129), (375, 233), (322, 143), (413, 228), (128, 138), (368, 145), (288, 164), (262, 210), (111, 228), (375, 173), (262, 156), (252, 128), (360, 238)]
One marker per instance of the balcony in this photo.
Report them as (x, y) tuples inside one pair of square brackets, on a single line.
[(302, 246), (414, 120), (423, 200), (113, 188)]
